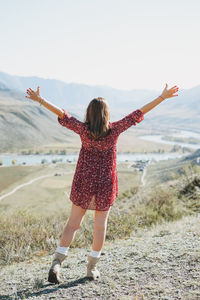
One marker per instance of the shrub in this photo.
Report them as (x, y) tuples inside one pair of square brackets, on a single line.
[(129, 193), (54, 161), (24, 235), (190, 194), (44, 161), (63, 152), (120, 225), (162, 205)]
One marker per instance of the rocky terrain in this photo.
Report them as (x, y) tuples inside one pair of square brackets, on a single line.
[(158, 263)]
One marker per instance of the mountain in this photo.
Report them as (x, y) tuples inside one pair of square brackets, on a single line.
[(26, 124), (23, 122), (77, 96)]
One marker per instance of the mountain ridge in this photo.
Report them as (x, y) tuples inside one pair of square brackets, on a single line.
[(180, 112)]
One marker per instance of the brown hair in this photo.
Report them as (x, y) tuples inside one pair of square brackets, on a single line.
[(97, 117)]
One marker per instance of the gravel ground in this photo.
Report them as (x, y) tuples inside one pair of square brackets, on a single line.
[(160, 263)]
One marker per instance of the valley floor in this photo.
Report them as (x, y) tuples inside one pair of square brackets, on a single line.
[(158, 263)]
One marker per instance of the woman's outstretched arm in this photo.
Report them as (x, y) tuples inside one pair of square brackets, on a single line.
[(64, 118), (167, 93), (36, 97)]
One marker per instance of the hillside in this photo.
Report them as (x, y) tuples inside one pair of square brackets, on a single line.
[(183, 110), (161, 263), (24, 124), (27, 126), (152, 242)]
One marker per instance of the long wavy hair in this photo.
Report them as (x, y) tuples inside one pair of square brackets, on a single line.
[(97, 117)]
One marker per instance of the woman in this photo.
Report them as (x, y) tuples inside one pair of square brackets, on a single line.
[(95, 182)]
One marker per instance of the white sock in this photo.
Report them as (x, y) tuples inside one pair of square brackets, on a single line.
[(95, 253), (62, 250)]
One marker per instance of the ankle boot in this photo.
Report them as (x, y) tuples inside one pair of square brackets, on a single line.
[(91, 267), (54, 271)]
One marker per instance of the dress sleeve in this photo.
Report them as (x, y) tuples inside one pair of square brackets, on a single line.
[(71, 122), (131, 119)]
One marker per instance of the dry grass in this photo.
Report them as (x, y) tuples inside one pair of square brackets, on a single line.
[(24, 235)]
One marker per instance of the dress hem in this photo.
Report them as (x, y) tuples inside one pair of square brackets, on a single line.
[(91, 208)]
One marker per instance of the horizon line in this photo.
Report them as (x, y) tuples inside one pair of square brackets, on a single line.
[(90, 85)]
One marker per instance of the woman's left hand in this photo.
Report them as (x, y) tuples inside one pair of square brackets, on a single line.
[(168, 93), (33, 95)]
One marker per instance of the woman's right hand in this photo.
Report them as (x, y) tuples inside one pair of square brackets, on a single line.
[(168, 93), (34, 95)]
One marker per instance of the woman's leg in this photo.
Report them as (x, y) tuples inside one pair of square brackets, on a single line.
[(100, 226), (74, 222)]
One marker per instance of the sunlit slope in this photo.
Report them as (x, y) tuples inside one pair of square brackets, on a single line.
[(24, 124)]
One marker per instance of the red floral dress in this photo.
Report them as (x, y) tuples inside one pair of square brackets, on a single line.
[(95, 182)]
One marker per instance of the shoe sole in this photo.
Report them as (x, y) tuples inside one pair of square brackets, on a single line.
[(53, 277)]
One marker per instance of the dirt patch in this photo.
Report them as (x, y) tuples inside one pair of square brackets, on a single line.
[(53, 183)]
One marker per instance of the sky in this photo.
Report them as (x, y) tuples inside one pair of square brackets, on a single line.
[(124, 44)]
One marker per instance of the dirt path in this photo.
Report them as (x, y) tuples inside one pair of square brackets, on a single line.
[(30, 182), (143, 177), (161, 263)]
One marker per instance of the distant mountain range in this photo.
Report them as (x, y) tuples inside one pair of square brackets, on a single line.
[(23, 122), (77, 96)]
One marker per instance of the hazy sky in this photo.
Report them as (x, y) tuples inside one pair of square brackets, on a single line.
[(125, 44)]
